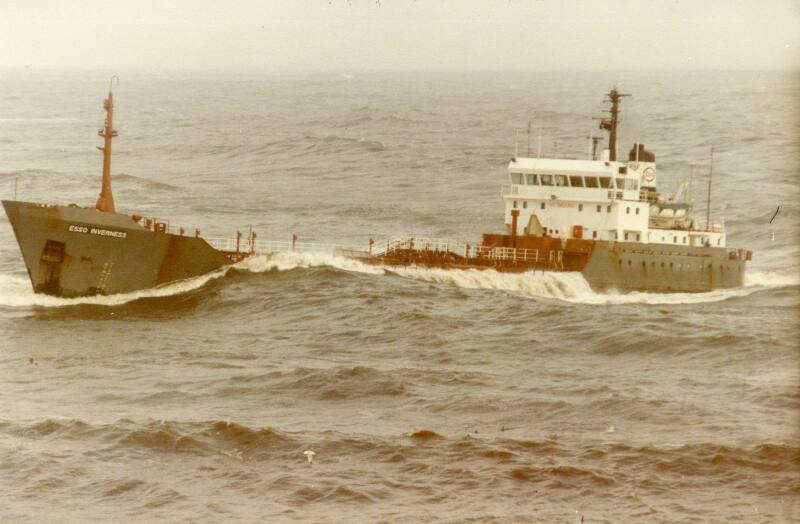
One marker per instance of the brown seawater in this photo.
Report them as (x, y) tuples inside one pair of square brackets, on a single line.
[(426, 395)]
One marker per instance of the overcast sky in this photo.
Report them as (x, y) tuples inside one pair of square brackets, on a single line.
[(400, 34)]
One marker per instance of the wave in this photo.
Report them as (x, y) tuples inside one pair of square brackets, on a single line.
[(15, 291), (340, 143)]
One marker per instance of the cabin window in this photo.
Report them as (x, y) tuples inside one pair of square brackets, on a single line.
[(515, 204), (561, 180), (637, 236), (599, 208), (594, 234), (637, 210), (524, 204), (532, 180), (684, 240), (543, 206), (608, 209), (623, 170), (629, 262), (546, 180), (627, 210), (674, 240), (576, 181), (591, 181), (580, 207), (621, 183), (718, 241), (626, 236), (605, 182), (516, 178)]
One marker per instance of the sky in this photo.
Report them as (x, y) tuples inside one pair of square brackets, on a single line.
[(311, 35)]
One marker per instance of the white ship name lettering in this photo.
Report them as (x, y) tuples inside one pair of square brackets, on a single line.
[(97, 231)]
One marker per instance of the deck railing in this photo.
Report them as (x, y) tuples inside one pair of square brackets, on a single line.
[(381, 249)]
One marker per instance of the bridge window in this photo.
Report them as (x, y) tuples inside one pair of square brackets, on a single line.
[(546, 180), (516, 178), (561, 180), (623, 170), (620, 183), (605, 182), (630, 183), (591, 181), (543, 206), (532, 180), (576, 181)]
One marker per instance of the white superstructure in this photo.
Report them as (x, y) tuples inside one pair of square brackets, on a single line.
[(600, 200)]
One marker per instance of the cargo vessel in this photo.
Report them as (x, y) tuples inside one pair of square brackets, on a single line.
[(602, 217), (72, 251)]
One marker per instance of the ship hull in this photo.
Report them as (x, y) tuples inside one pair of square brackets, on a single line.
[(72, 251), (606, 266), (627, 266)]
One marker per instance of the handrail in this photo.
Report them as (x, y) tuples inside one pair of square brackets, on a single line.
[(387, 248)]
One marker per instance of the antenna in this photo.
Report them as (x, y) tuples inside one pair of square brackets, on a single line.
[(539, 147), (516, 145), (708, 203), (529, 138), (691, 173), (106, 200)]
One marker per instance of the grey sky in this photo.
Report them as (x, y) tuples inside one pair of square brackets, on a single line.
[(405, 34)]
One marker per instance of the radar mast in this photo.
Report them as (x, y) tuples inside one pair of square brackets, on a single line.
[(610, 124)]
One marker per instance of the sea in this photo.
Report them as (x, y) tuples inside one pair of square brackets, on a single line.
[(425, 395)]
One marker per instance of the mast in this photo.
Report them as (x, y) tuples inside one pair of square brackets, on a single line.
[(708, 202), (610, 124), (105, 201)]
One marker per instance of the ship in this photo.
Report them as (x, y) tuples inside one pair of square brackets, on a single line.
[(603, 217), (74, 251)]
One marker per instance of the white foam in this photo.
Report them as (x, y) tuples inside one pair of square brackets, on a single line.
[(286, 260), (567, 286), (15, 291)]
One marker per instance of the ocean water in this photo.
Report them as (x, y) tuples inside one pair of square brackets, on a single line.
[(426, 395)]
